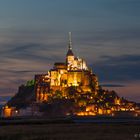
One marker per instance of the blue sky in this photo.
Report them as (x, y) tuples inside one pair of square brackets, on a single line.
[(34, 34)]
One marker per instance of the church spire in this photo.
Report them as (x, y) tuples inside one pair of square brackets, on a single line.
[(70, 53), (70, 41)]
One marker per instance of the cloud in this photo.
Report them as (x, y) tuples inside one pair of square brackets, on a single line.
[(112, 85), (121, 68), (116, 34)]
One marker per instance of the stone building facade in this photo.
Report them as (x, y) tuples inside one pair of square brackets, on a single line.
[(73, 72)]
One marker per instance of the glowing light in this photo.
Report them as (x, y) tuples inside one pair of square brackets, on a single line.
[(136, 114), (112, 114), (16, 111), (7, 111)]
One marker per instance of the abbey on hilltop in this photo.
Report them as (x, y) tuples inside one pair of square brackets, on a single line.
[(69, 88), (73, 72)]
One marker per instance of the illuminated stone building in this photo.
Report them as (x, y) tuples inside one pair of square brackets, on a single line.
[(73, 72), (70, 88)]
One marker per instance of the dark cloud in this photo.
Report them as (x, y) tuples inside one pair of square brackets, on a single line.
[(121, 68), (24, 71), (112, 85), (103, 35), (31, 52)]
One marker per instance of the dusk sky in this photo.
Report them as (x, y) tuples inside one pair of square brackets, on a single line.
[(106, 33)]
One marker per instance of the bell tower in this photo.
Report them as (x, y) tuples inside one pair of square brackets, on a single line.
[(70, 55)]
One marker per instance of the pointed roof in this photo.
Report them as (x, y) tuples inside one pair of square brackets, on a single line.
[(70, 53)]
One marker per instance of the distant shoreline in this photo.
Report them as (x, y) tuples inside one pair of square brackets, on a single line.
[(66, 120)]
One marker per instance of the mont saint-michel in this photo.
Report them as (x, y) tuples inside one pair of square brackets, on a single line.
[(69, 88)]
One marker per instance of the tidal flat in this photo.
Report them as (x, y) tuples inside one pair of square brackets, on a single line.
[(70, 131)]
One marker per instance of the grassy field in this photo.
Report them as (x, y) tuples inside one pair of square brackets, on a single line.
[(70, 132)]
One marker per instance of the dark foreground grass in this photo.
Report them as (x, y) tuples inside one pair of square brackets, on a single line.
[(70, 132)]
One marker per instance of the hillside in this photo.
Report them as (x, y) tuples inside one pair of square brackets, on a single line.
[(71, 100), (23, 97)]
